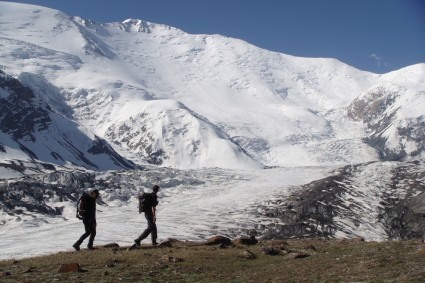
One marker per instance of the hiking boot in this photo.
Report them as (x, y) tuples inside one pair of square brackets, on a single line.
[(76, 247), (137, 243), (154, 243), (91, 248)]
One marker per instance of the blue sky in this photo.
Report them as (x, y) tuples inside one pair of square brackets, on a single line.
[(373, 35)]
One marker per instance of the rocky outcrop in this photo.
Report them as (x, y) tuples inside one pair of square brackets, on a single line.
[(396, 135), (336, 204)]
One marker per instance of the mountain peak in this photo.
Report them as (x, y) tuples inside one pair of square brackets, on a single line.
[(136, 25)]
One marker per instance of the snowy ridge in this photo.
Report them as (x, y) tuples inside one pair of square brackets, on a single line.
[(31, 131), (393, 113), (161, 126)]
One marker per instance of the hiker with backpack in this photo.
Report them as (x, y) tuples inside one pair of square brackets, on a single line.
[(86, 211), (147, 204)]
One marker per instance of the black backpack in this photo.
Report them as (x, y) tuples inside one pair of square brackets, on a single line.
[(81, 208), (144, 202)]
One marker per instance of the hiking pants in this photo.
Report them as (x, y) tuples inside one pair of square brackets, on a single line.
[(150, 229), (90, 228)]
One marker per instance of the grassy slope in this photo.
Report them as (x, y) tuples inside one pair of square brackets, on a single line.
[(327, 261)]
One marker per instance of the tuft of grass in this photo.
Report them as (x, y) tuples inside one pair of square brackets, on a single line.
[(308, 260)]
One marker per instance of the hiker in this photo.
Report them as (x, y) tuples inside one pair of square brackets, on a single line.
[(86, 211), (147, 204)]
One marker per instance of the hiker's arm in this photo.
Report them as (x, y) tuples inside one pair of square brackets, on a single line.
[(154, 213)]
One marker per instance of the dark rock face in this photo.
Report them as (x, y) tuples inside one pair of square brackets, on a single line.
[(100, 146), (404, 215), (316, 209), (379, 110), (20, 116)]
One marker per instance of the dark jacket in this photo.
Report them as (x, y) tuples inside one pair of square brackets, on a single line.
[(147, 201), (88, 207), (153, 199)]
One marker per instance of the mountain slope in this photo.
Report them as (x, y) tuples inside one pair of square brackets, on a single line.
[(31, 131), (393, 111)]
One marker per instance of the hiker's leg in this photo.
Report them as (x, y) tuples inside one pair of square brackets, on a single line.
[(148, 230), (92, 235), (85, 235), (154, 233)]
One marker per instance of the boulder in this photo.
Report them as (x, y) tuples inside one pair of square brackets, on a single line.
[(111, 262), (270, 250), (218, 240), (69, 267), (165, 244), (248, 254), (246, 241)]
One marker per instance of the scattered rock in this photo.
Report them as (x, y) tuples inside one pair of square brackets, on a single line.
[(165, 244), (111, 246), (246, 241), (217, 240), (298, 255), (69, 267), (6, 273), (28, 270), (167, 258), (270, 251), (310, 247), (111, 262), (248, 254), (222, 246)]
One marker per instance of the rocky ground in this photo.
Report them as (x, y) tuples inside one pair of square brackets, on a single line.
[(222, 260)]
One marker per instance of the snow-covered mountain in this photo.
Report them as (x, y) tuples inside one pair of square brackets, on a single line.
[(159, 95), (32, 131), (257, 141), (393, 111)]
